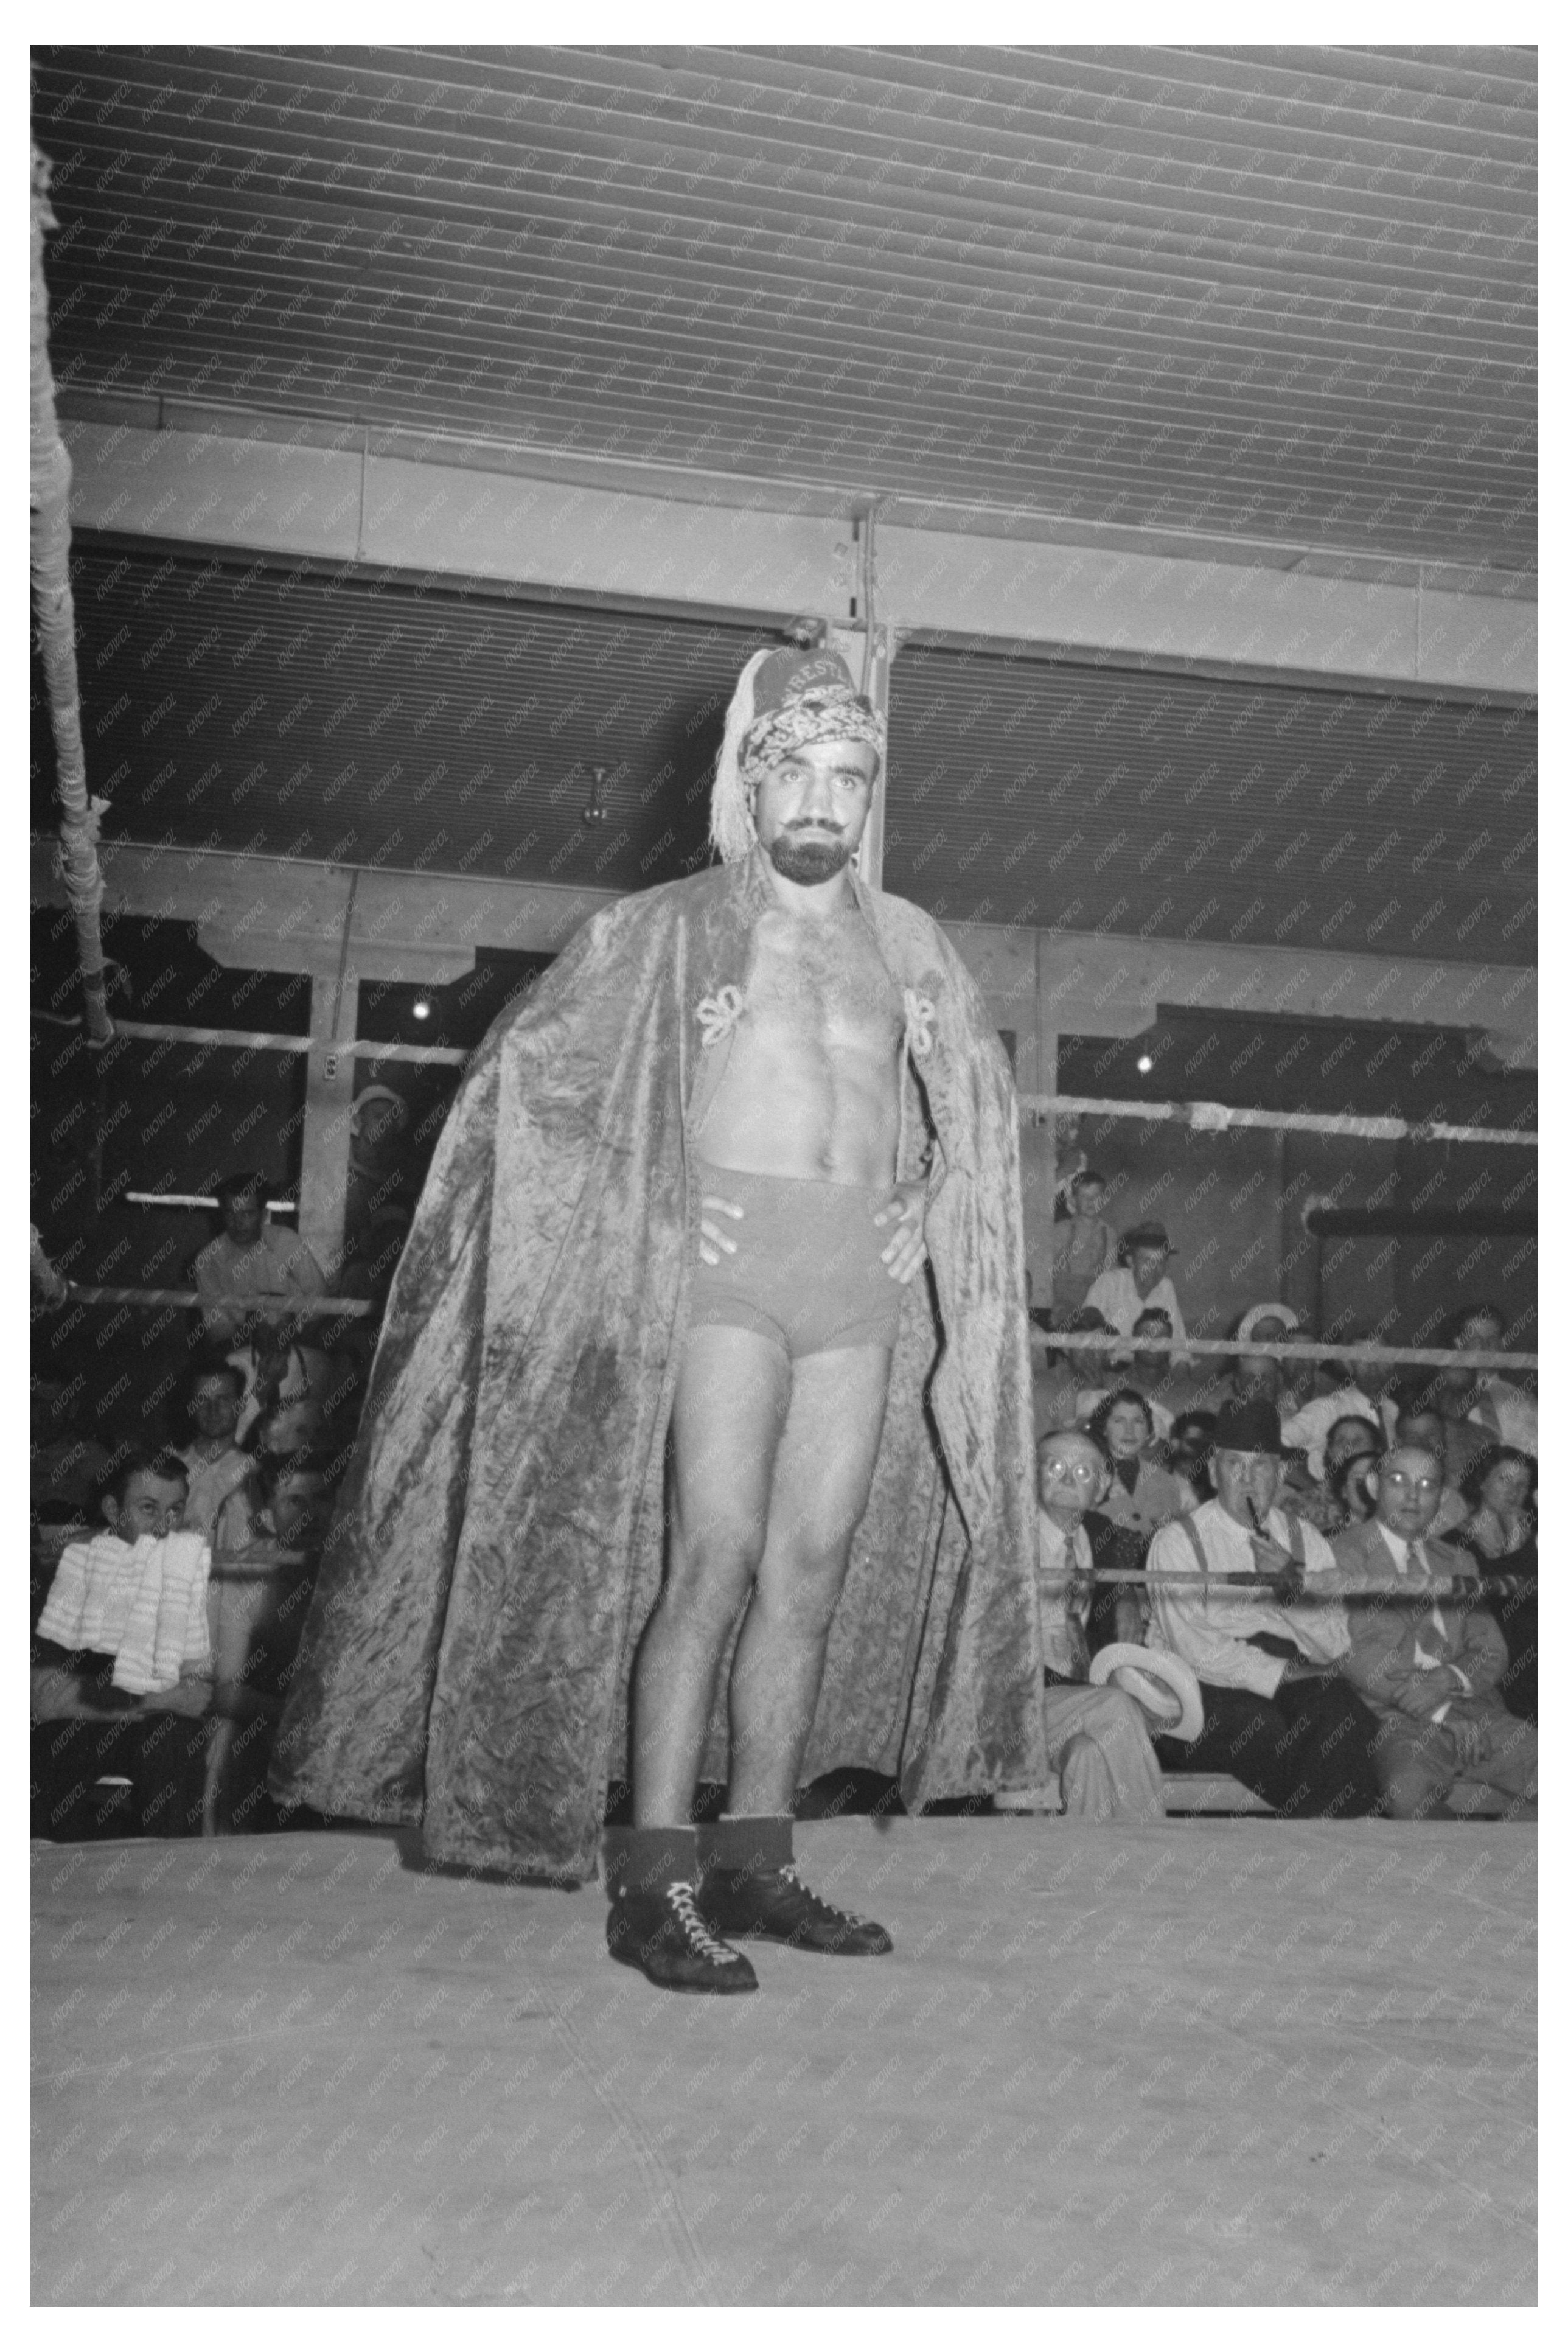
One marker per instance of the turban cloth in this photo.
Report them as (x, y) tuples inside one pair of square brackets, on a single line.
[(784, 699)]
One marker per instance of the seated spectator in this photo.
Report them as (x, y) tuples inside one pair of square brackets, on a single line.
[(1499, 1490), (251, 1259), (1090, 1366), (1498, 1405), (256, 1612), (144, 1495), (1447, 1392), (1187, 1451), (1083, 1244), (274, 1371), (1281, 1381), (285, 1430), (1270, 1323), (254, 1260), (1338, 1397), (1096, 1740), (1140, 1281), (1139, 1495), (216, 1465), (1429, 1668), (1339, 1498), (1498, 1529), (1276, 1713), (1424, 1427), (1169, 1387)]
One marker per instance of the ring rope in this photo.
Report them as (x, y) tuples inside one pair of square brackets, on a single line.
[(1318, 1351), (268, 1041), (1215, 1118)]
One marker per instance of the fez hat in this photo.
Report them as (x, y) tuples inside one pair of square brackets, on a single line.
[(1150, 1235), (785, 696), (1247, 1425)]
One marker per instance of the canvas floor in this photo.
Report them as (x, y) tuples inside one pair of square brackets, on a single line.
[(1230, 2062)]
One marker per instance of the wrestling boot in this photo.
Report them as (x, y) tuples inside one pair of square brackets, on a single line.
[(750, 1886), (654, 1924)]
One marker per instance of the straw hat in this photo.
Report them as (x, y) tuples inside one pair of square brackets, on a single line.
[(1164, 1686)]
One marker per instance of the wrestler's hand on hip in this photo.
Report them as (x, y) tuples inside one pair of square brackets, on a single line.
[(715, 1244), (905, 1253)]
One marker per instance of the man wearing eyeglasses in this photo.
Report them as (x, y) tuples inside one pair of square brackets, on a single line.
[(1095, 1739), (1429, 1662)]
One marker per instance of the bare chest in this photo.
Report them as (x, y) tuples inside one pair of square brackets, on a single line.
[(823, 980)]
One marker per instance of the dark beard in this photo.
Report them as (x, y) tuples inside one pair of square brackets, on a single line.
[(807, 862)]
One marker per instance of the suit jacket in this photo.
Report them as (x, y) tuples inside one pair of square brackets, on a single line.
[(1400, 1647)]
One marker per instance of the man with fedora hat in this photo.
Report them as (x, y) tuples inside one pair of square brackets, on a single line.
[(704, 1377), (1140, 1282), (1232, 1589)]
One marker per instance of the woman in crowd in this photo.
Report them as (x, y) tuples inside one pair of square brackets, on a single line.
[(1500, 1488), (1501, 1532), (1339, 1499), (1142, 1498)]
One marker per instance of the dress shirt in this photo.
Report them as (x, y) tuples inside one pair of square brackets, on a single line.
[(1064, 1561), (1210, 1630), (1410, 1560)]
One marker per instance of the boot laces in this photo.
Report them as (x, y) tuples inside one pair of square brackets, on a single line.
[(683, 1902), (830, 1910)]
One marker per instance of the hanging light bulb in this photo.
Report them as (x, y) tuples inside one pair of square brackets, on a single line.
[(422, 1008), (1145, 1063), (595, 813)]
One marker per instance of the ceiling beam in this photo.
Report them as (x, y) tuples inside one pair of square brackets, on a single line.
[(338, 498)]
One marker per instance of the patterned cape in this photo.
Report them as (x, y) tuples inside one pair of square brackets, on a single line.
[(499, 1539)]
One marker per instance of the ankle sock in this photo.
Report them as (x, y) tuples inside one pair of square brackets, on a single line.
[(746, 1841), (647, 1860)]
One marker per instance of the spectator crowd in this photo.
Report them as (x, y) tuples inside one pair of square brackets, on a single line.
[(1313, 1578), (172, 1564)]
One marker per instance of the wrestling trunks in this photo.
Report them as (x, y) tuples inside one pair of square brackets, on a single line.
[(807, 1271)]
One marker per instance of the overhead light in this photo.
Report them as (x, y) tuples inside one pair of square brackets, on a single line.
[(422, 1008), (1145, 1063)]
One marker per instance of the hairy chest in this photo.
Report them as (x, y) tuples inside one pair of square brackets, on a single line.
[(824, 979)]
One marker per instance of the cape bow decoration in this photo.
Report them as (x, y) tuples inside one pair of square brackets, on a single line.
[(919, 1013), (718, 1017)]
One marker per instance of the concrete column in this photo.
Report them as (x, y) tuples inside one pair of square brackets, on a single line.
[(851, 644), (328, 1101), (1039, 1212)]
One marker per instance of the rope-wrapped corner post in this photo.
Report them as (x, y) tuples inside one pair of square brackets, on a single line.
[(55, 609)]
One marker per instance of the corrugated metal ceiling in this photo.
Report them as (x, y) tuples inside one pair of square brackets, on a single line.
[(1265, 295), (293, 712)]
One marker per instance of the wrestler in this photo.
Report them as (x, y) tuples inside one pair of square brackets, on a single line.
[(709, 1330), (779, 1403)]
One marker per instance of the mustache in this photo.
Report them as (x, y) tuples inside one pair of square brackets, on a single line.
[(815, 824)]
